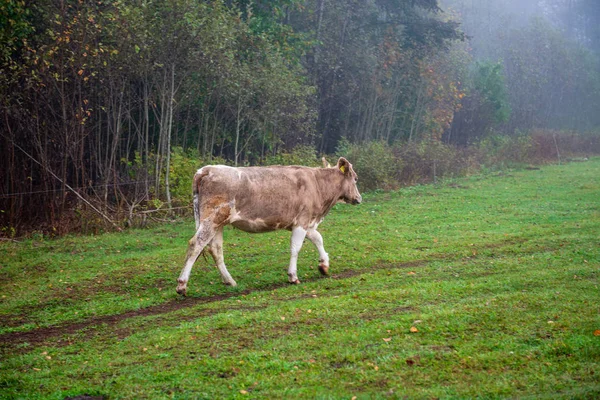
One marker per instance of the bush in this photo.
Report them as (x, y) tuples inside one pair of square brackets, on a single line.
[(429, 161), (301, 155), (552, 146), (502, 151), (374, 163), (184, 165)]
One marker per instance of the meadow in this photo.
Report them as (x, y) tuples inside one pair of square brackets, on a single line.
[(479, 287)]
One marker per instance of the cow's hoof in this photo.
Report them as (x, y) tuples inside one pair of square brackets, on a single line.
[(295, 281), (181, 287), (232, 284), (324, 269)]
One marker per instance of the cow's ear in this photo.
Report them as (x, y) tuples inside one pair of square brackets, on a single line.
[(343, 165), (325, 163)]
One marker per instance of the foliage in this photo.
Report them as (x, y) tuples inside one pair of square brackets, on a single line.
[(374, 163), (489, 81), (365, 63), (501, 150), (300, 155), (426, 162), (183, 164), (422, 302), (484, 108)]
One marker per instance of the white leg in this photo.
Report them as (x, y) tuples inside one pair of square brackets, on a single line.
[(298, 234), (197, 243), (315, 237), (216, 251)]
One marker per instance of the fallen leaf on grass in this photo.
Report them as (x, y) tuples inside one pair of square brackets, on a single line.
[(387, 339), (597, 332), (413, 329), (243, 392), (411, 273), (410, 362)]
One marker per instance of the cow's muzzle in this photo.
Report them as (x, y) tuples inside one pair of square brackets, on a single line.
[(357, 200)]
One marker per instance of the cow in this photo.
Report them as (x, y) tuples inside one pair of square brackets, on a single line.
[(264, 199)]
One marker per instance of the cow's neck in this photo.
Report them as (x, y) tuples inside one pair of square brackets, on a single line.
[(330, 187)]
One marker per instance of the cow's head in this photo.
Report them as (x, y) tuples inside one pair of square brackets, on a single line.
[(350, 193)]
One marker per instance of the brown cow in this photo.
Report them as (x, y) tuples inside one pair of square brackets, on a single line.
[(263, 199)]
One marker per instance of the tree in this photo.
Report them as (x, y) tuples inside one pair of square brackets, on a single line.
[(483, 108)]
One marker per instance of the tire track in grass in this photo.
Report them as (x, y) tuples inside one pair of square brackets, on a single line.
[(38, 336)]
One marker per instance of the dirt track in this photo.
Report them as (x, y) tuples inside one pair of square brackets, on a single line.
[(36, 337)]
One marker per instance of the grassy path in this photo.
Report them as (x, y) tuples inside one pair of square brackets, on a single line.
[(484, 287)]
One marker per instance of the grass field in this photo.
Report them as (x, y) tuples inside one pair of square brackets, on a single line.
[(484, 287)]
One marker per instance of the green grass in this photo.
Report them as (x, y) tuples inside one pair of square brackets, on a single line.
[(496, 275)]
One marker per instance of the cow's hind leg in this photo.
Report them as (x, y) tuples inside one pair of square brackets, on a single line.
[(203, 236), (298, 235), (215, 248), (315, 237)]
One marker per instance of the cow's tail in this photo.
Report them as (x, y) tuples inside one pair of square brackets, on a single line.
[(202, 172)]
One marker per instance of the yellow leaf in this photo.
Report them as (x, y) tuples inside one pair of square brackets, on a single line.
[(243, 392), (413, 329), (387, 339), (597, 332)]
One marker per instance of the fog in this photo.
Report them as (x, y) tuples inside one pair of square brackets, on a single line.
[(548, 51), (484, 21)]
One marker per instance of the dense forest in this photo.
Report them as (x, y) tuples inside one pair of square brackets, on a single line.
[(109, 106)]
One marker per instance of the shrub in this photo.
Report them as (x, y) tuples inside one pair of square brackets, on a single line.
[(300, 155), (551, 145), (501, 150), (374, 163), (184, 165), (428, 161)]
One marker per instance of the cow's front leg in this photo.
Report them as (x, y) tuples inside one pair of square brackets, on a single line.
[(216, 251), (315, 237), (298, 235), (203, 236)]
